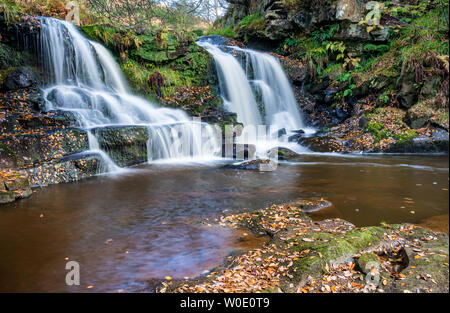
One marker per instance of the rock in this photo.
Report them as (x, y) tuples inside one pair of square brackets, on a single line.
[(407, 96), (309, 206), (19, 79), (28, 150), (330, 92), (295, 138), (363, 122), (126, 145), (239, 151), (419, 115), (368, 261), (281, 132), (13, 186), (259, 164), (315, 255), (322, 144), (441, 139), (65, 170), (284, 154), (7, 196), (420, 144), (298, 134)]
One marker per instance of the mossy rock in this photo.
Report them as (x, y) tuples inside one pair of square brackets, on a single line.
[(368, 261), (419, 115), (332, 248), (7, 196)]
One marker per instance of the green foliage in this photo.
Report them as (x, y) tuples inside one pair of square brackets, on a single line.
[(225, 32), (376, 49), (10, 10), (252, 22)]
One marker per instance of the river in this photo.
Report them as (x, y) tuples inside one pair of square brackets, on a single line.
[(127, 229)]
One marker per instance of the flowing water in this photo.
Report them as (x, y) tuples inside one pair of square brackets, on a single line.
[(85, 80), (255, 86), (126, 229)]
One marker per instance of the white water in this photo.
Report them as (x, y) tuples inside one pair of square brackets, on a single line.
[(88, 82), (260, 93)]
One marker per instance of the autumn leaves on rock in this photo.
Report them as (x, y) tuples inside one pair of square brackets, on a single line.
[(327, 256)]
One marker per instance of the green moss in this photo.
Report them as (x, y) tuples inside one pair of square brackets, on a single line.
[(228, 32), (252, 22), (325, 249), (367, 261), (388, 123)]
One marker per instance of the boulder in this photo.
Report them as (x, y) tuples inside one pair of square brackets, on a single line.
[(126, 145), (13, 186), (31, 149), (419, 115), (19, 79), (253, 165), (65, 170)]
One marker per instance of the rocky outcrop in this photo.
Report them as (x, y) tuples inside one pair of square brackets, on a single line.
[(282, 18)]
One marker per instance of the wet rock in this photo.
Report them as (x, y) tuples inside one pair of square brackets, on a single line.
[(65, 170), (13, 186), (363, 122), (239, 151), (322, 144), (25, 150), (19, 79), (298, 134), (253, 165), (330, 256), (284, 154), (281, 132), (407, 96), (330, 92), (308, 205), (126, 145), (419, 115), (440, 139), (420, 144)]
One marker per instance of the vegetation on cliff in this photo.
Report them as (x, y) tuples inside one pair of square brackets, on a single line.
[(363, 58)]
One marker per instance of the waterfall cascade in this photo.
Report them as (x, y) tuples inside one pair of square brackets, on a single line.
[(255, 86), (86, 81)]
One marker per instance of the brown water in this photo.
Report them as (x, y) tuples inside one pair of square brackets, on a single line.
[(129, 228)]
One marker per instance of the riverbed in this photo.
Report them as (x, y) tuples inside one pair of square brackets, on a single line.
[(126, 229)]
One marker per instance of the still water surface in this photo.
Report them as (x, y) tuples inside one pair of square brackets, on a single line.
[(129, 228)]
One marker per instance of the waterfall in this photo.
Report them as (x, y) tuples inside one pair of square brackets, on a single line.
[(236, 90), (85, 80), (280, 106), (255, 86)]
